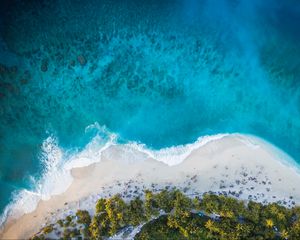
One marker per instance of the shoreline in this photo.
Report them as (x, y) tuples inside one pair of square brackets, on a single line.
[(238, 165)]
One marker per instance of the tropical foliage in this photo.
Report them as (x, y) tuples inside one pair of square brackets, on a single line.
[(173, 215)]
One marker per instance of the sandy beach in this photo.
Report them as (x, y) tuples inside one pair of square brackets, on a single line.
[(241, 166)]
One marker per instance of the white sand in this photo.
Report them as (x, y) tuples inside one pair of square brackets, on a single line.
[(237, 165)]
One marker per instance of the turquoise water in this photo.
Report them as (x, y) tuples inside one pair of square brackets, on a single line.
[(161, 73)]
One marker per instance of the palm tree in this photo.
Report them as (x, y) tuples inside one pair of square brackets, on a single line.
[(284, 234), (210, 225), (269, 223)]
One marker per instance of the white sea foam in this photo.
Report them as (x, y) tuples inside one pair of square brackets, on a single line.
[(22, 202), (249, 141), (176, 154), (91, 154), (56, 176), (55, 180)]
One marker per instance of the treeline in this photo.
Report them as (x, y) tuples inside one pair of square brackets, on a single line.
[(173, 215)]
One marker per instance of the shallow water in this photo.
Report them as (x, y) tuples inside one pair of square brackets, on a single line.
[(161, 73)]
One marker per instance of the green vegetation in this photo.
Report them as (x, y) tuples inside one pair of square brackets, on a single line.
[(173, 215), (60, 223), (150, 206), (83, 217), (136, 212), (160, 229), (220, 217), (48, 229)]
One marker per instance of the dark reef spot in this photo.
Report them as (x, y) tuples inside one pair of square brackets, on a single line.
[(44, 65), (82, 60)]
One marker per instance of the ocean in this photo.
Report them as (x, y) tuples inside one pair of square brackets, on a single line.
[(77, 76)]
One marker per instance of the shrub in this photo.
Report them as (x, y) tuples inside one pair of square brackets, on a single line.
[(83, 217), (48, 229)]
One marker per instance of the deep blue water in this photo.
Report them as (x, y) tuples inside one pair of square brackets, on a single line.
[(161, 73)]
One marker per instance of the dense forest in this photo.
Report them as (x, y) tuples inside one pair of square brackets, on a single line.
[(170, 214)]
